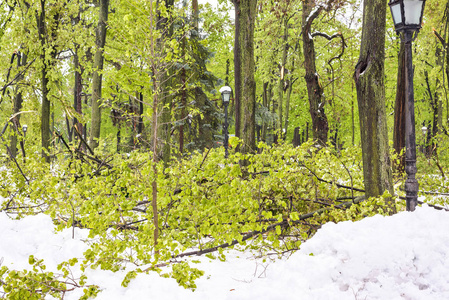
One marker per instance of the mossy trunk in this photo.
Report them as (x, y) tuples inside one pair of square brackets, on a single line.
[(97, 75), (247, 17), (237, 69), (45, 106), (369, 78)]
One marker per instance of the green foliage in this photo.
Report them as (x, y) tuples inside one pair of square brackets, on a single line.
[(39, 284), (205, 202), (185, 275)]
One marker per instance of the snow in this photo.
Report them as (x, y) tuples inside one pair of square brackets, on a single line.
[(405, 256)]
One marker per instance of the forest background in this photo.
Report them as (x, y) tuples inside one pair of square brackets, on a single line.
[(112, 121), (44, 38)]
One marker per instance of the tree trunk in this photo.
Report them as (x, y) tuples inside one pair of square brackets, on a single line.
[(352, 117), (155, 93), (237, 71), (265, 104), (18, 100), (45, 106), (77, 101), (97, 76), (399, 110), (119, 138), (247, 16), (165, 86), (314, 89), (287, 107), (447, 59), (183, 83), (78, 89), (369, 78), (195, 14), (140, 127), (289, 93), (282, 79)]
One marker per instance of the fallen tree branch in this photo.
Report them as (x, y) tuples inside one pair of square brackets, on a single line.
[(283, 223), (333, 183)]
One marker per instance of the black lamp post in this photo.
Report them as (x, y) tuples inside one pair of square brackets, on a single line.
[(226, 96), (407, 18)]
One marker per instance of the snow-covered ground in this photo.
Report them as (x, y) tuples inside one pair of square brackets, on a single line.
[(405, 256)]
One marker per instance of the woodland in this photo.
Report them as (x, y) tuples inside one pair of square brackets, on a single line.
[(111, 120)]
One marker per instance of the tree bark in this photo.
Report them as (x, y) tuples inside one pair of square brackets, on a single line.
[(18, 100), (247, 16), (237, 72), (282, 79), (289, 93), (314, 89), (165, 86), (369, 78), (45, 38), (97, 74), (195, 14), (155, 95), (78, 89)]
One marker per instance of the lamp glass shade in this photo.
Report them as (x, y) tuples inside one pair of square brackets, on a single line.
[(424, 130), (413, 12), (396, 13), (226, 96)]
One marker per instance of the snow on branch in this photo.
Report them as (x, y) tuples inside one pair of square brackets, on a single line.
[(314, 14)]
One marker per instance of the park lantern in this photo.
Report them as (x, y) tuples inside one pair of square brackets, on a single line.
[(407, 14), (407, 18), (226, 92)]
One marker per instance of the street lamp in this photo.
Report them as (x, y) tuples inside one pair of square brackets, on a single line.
[(407, 18), (226, 96), (424, 131), (24, 129)]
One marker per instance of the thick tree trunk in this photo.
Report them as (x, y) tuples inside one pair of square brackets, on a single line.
[(97, 76), (314, 89), (45, 106), (369, 78), (247, 16), (237, 71), (399, 109)]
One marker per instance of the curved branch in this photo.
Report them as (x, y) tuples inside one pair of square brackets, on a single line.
[(331, 37)]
